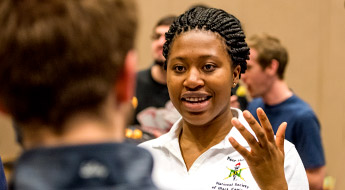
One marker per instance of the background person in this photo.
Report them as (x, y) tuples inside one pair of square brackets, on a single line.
[(153, 112), (67, 77), (265, 82)]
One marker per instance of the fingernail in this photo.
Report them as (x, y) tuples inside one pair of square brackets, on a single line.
[(260, 110), (246, 114), (235, 121), (231, 139)]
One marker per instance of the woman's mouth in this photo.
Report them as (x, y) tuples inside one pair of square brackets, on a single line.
[(195, 103), (196, 99)]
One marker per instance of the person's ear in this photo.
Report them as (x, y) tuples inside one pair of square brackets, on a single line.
[(125, 83), (236, 75), (272, 68)]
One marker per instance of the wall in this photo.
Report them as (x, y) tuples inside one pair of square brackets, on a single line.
[(313, 32)]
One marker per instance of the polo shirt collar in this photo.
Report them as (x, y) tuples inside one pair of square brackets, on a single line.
[(170, 139)]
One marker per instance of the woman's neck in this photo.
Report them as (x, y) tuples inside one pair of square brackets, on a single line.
[(195, 140)]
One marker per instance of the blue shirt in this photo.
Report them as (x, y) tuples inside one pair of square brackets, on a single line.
[(303, 128), (3, 184)]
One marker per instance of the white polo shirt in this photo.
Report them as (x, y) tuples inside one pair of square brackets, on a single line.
[(221, 167)]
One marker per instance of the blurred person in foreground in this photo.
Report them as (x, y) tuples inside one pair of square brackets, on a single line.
[(67, 74), (214, 146), (265, 81)]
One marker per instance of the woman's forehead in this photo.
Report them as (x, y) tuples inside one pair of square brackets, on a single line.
[(198, 42)]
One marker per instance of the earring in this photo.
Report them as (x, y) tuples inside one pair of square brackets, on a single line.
[(235, 84)]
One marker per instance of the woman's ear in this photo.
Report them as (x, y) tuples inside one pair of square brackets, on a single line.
[(236, 75), (125, 83)]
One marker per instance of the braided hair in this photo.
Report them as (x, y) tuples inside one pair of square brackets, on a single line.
[(215, 20)]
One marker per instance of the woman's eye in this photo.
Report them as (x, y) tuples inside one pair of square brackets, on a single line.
[(179, 68), (209, 67)]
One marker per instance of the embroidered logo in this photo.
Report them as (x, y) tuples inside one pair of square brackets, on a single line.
[(93, 169), (236, 172)]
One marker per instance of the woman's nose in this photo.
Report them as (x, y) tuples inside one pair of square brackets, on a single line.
[(193, 79)]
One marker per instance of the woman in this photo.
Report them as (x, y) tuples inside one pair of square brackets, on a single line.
[(205, 55)]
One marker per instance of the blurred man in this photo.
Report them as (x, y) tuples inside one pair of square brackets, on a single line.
[(265, 82), (151, 88), (67, 76)]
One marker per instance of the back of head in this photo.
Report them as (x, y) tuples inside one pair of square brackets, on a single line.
[(269, 48), (61, 57), (215, 20)]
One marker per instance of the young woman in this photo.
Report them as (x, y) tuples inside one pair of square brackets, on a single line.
[(213, 146)]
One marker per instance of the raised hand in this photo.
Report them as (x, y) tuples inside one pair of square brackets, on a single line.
[(266, 157)]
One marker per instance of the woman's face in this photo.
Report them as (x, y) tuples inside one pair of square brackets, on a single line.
[(200, 77)]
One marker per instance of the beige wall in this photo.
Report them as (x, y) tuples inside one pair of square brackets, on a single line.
[(313, 32)]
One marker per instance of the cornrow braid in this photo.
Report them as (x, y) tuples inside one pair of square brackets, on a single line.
[(215, 20)]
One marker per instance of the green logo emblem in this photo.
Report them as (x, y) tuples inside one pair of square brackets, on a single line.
[(236, 172)]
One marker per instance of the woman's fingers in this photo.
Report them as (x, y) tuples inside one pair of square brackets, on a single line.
[(266, 125), (252, 142), (243, 151), (266, 142), (280, 136), (259, 132)]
